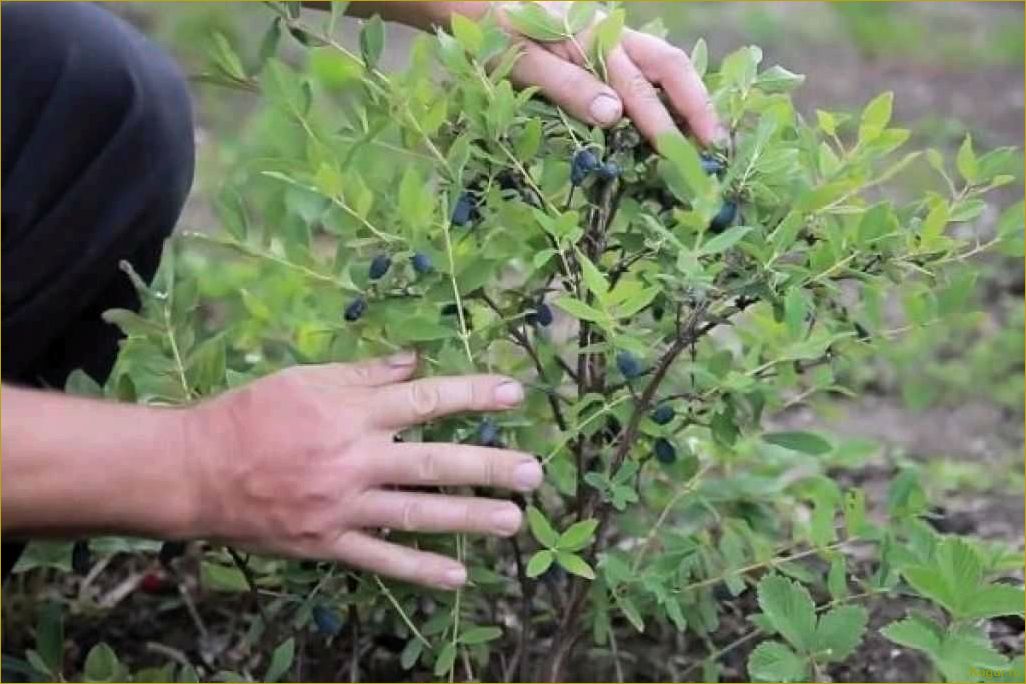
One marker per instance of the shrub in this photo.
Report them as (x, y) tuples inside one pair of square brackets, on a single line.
[(658, 305)]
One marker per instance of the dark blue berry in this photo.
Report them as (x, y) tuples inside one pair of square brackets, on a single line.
[(665, 452), (628, 364), (712, 165), (724, 217), (379, 266), (542, 315), (609, 171), (81, 558), (488, 433), (464, 210), (421, 263), (355, 309), (327, 621), (583, 163), (663, 414), (170, 550)]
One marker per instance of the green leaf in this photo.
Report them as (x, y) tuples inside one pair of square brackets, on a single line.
[(826, 122), (445, 660), (593, 278), (467, 33), (607, 33), (966, 161), (996, 600), (534, 21), (772, 661), (411, 653), (81, 384), (372, 41), (281, 660), (580, 16), (577, 536), (574, 564), (840, 631), (684, 158), (724, 241), (804, 442), (101, 664), (700, 57), (479, 635), (216, 577), (529, 141), (875, 117), (579, 309), (50, 637), (789, 607), (132, 323), (777, 79), (541, 528), (540, 562), (917, 632), (837, 578)]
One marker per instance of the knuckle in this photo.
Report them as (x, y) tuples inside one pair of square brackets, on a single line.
[(490, 475), (640, 88), (411, 515), (423, 399), (428, 468)]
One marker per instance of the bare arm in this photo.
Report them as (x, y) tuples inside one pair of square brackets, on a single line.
[(75, 465), (301, 463)]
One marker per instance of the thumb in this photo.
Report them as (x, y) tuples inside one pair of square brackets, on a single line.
[(583, 96)]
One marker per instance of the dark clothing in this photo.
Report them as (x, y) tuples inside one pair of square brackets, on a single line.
[(97, 157)]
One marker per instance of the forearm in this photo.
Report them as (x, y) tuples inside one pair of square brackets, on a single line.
[(76, 466), (421, 15)]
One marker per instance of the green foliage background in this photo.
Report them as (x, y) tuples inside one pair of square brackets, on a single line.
[(338, 162)]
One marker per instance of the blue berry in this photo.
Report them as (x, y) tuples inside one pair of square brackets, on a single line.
[(542, 315), (628, 364), (464, 210), (488, 433), (81, 558), (421, 263), (327, 621), (379, 266), (355, 310), (724, 217), (663, 414), (583, 163), (665, 452), (609, 171), (712, 165)]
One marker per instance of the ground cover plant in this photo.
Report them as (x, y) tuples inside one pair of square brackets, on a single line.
[(657, 301)]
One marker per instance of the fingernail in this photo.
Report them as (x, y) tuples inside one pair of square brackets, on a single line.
[(509, 393), (527, 476), (402, 359), (606, 109), (507, 519), (455, 577)]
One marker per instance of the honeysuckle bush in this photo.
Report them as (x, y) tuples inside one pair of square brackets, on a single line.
[(660, 303)]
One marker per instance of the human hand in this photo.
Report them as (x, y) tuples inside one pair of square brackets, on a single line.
[(635, 67), (302, 462)]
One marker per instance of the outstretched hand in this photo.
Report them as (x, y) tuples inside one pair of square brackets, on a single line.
[(303, 463), (636, 67)]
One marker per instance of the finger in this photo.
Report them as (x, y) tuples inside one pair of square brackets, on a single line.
[(399, 562), (401, 405), (416, 512), (439, 464), (640, 98), (671, 68), (582, 95), (370, 373)]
